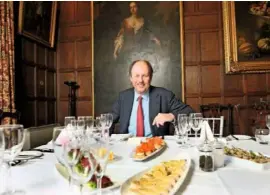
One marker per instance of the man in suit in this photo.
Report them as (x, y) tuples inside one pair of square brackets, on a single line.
[(145, 110)]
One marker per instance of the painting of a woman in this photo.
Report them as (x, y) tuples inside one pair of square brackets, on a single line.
[(128, 31), (133, 35)]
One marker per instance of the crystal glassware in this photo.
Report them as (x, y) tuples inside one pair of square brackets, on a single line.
[(89, 122), (80, 162), (68, 120), (100, 149), (183, 127), (262, 136), (60, 138), (267, 121), (2, 146), (196, 120), (14, 136)]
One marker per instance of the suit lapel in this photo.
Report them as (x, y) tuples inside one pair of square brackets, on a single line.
[(154, 107), (128, 108)]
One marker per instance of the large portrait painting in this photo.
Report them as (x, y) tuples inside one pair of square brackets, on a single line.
[(37, 20), (247, 36), (127, 31)]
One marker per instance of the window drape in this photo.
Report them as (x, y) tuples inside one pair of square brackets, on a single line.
[(7, 57)]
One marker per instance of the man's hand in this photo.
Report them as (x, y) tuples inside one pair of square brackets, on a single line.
[(161, 118)]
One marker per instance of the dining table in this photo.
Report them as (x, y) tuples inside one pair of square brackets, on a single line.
[(40, 176)]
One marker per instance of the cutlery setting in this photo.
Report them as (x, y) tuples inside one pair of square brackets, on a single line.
[(48, 150), (233, 137)]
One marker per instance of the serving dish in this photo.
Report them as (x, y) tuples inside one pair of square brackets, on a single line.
[(148, 148), (165, 178), (247, 159)]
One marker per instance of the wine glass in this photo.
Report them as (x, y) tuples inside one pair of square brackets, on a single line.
[(68, 120), (267, 121), (80, 162), (60, 138), (81, 118), (14, 136), (101, 151), (80, 124), (106, 121), (183, 127), (196, 120), (89, 122)]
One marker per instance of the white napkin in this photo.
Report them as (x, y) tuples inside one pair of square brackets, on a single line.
[(121, 137), (206, 132), (61, 139)]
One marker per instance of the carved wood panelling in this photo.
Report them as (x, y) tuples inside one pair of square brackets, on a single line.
[(74, 57), (204, 49)]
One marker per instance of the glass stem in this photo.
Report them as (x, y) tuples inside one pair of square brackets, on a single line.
[(73, 186), (6, 179), (99, 184)]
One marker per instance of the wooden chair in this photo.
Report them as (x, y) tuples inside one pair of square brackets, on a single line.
[(216, 125), (216, 111), (255, 117)]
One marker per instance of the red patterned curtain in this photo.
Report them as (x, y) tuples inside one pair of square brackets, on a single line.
[(6, 57)]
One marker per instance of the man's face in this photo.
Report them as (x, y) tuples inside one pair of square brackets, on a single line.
[(140, 77), (133, 8)]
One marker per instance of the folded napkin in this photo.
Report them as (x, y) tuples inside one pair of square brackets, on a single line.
[(121, 137), (206, 132), (61, 139)]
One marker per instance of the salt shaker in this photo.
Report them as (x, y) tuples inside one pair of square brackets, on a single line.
[(219, 154)]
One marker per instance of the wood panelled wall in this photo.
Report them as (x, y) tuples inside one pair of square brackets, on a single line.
[(74, 56), (205, 79), (35, 80)]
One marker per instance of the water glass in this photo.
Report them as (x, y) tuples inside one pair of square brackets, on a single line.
[(262, 136)]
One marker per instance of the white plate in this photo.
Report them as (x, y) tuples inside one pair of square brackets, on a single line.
[(176, 187), (149, 156), (24, 155)]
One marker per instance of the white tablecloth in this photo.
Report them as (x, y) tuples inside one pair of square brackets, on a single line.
[(40, 176)]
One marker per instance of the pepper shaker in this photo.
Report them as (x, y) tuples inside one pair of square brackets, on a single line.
[(206, 158)]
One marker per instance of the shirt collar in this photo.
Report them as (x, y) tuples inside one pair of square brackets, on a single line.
[(145, 95)]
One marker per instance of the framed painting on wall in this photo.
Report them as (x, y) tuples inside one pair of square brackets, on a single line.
[(123, 32), (246, 36), (37, 20)]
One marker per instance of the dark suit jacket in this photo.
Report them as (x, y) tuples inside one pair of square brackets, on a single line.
[(160, 101)]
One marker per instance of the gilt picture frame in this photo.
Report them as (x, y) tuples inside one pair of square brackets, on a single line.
[(37, 21), (160, 42), (246, 37)]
